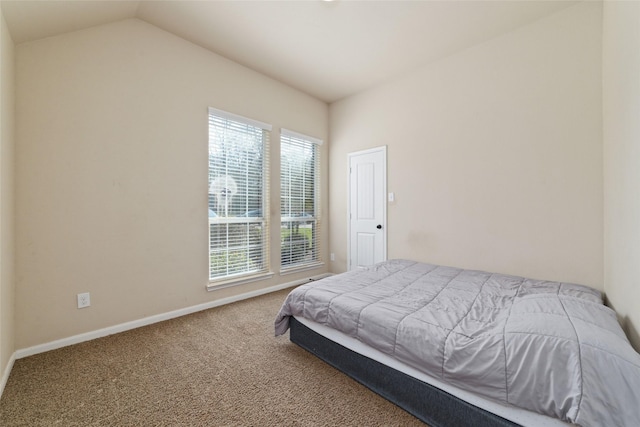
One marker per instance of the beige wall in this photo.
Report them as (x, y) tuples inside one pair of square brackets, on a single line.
[(112, 173), (494, 154), (7, 282), (495, 158), (621, 112)]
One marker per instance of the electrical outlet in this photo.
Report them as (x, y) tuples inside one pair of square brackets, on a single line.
[(84, 300), (333, 256)]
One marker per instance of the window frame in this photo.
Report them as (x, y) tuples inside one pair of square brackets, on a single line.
[(316, 241), (226, 120)]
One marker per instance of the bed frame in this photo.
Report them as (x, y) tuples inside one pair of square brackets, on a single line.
[(424, 401)]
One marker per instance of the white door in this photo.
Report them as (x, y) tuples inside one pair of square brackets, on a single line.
[(367, 207)]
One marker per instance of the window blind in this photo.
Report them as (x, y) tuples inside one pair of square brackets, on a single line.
[(300, 226), (238, 196)]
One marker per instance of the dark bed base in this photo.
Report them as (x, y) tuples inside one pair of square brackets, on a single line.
[(426, 402)]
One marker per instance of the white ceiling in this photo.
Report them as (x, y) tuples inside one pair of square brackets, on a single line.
[(327, 49)]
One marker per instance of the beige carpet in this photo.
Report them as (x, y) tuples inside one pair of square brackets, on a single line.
[(219, 367)]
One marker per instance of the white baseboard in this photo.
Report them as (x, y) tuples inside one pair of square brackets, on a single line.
[(41, 348), (6, 373)]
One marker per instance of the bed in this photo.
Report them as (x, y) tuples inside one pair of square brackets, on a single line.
[(461, 347)]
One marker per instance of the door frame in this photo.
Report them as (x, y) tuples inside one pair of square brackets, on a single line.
[(383, 150)]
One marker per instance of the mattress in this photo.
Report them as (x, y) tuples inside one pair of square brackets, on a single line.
[(519, 416), (547, 347)]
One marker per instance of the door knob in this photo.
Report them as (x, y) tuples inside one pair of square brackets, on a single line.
[(379, 227)]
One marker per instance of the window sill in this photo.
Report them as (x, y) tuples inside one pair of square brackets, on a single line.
[(299, 268), (214, 286)]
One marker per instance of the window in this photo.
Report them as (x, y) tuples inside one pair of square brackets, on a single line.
[(238, 196), (299, 200)]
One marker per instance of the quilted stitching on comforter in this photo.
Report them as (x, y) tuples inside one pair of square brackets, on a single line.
[(548, 347)]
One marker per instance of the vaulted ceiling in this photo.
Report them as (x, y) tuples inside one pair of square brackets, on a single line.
[(328, 49)]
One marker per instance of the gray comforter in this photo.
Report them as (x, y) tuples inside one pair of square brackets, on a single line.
[(548, 347)]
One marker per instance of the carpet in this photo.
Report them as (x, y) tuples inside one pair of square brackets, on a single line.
[(218, 367)]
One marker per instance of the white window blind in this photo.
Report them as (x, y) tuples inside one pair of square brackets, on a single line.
[(238, 196), (300, 227)]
